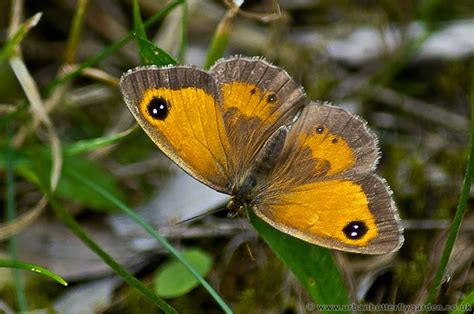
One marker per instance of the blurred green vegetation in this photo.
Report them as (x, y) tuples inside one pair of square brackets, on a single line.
[(416, 100)]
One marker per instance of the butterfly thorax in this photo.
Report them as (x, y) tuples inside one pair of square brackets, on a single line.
[(247, 187), (244, 192)]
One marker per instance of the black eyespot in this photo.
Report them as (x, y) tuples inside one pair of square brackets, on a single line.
[(253, 91), (334, 140), (158, 108), (319, 129), (271, 98), (355, 230)]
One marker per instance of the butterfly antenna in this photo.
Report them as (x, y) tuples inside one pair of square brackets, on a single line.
[(200, 216), (249, 250), (245, 214)]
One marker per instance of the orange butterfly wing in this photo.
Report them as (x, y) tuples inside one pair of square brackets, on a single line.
[(324, 190), (216, 121), (178, 107), (257, 98)]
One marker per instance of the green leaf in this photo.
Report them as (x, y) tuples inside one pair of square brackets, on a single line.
[(465, 305), (174, 280), (37, 166), (314, 266), (152, 54)]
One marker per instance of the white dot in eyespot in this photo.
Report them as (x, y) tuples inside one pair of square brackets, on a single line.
[(353, 234), (162, 107), (356, 226), (155, 111)]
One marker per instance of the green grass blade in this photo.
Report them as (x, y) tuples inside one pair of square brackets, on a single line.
[(24, 28), (312, 265), (10, 215), (89, 145), (220, 38), (35, 268), (119, 270), (74, 38), (158, 237), (184, 33), (217, 48), (460, 210), (160, 15), (88, 63), (110, 49), (138, 26)]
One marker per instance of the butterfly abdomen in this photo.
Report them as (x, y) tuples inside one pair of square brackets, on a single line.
[(268, 154)]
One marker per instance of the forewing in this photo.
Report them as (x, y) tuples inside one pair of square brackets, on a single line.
[(178, 107), (257, 98)]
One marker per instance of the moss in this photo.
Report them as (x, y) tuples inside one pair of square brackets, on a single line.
[(410, 276), (8, 295), (40, 293), (132, 302)]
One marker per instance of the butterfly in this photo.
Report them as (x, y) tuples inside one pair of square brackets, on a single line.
[(246, 128)]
